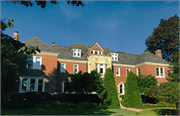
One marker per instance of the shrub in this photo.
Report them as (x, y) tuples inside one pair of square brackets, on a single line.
[(110, 96), (121, 96), (145, 82), (132, 96)]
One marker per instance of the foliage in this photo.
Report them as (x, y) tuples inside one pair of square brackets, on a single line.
[(166, 92), (43, 3), (77, 98), (132, 96), (109, 95), (84, 83), (13, 59), (166, 38), (145, 82), (173, 75)]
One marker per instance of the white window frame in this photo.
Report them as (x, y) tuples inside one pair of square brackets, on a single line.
[(114, 56), (126, 71), (34, 62), (63, 67), (74, 68), (106, 67), (89, 66), (28, 83), (159, 70), (123, 88), (97, 67), (98, 52), (101, 66), (117, 70), (76, 55), (138, 71)]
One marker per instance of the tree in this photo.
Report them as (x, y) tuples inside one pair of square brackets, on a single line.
[(145, 82), (166, 38), (167, 92), (13, 58), (84, 83), (110, 96), (173, 75), (132, 97), (43, 3)]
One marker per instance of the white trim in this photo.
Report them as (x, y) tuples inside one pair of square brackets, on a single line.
[(34, 62), (123, 88), (63, 67), (126, 71), (160, 76), (69, 60), (76, 53), (114, 56), (117, 69), (62, 86), (151, 63), (98, 45), (126, 65), (48, 53), (77, 68), (137, 71), (28, 83), (95, 51)]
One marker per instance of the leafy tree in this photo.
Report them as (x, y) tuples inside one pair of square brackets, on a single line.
[(84, 83), (132, 96), (110, 96), (173, 75), (167, 92), (13, 58), (166, 38), (145, 82), (43, 3)]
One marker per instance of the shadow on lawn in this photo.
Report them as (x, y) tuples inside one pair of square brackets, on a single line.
[(165, 111)]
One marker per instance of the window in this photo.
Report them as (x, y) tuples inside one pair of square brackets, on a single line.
[(34, 62), (32, 84), (96, 52), (160, 72), (121, 88), (118, 72), (75, 68), (106, 66), (101, 68), (138, 71), (114, 56), (63, 67), (76, 53), (89, 68), (127, 70), (96, 67)]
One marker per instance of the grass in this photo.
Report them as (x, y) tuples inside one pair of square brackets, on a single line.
[(68, 111), (158, 111)]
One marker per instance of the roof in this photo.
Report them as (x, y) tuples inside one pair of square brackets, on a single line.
[(67, 53)]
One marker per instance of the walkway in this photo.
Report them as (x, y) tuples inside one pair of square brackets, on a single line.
[(132, 109)]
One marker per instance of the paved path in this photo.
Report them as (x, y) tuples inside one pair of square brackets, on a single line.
[(132, 109)]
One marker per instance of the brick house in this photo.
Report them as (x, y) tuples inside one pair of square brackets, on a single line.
[(48, 70)]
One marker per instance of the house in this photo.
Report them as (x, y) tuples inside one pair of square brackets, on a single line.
[(48, 70)]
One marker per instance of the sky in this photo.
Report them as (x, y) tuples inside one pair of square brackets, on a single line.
[(118, 25)]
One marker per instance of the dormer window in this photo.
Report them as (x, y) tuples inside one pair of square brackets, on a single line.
[(114, 56), (76, 53), (96, 52)]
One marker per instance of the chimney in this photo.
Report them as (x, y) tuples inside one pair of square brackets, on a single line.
[(16, 36), (158, 53), (53, 44)]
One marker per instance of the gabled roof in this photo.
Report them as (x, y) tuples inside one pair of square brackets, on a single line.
[(67, 53), (98, 45)]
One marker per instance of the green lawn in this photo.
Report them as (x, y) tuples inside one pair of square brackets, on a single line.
[(158, 111), (68, 111)]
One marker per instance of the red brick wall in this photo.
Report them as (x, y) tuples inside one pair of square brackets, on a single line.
[(69, 70), (95, 47)]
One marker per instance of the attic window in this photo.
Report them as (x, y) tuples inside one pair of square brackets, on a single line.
[(114, 56), (96, 52), (76, 53)]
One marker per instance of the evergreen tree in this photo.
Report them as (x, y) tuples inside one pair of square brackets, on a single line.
[(110, 96), (132, 97)]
